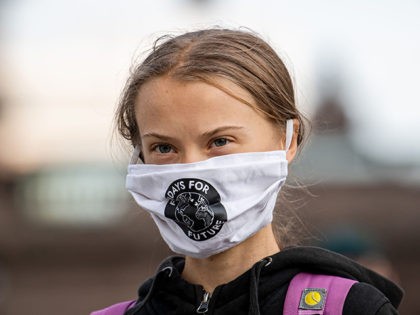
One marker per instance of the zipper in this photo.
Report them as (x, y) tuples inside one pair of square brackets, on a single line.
[(204, 304)]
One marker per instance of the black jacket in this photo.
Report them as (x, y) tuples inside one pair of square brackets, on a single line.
[(262, 289)]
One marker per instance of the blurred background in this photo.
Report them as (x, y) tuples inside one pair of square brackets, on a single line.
[(71, 239)]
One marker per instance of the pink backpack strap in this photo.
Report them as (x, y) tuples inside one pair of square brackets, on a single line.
[(313, 294), (116, 309)]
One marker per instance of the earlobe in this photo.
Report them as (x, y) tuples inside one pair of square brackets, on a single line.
[(291, 152)]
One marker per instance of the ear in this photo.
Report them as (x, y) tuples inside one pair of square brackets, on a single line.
[(291, 153)]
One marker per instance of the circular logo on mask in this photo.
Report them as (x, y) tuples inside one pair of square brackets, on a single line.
[(195, 206)]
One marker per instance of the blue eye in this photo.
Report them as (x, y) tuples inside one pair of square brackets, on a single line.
[(163, 148), (220, 142)]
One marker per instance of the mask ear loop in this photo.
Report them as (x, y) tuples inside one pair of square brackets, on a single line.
[(289, 133), (135, 157)]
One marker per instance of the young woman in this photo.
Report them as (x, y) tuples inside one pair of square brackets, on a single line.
[(213, 122)]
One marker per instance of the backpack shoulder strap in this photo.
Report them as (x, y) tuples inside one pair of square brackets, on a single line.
[(116, 309), (310, 294)]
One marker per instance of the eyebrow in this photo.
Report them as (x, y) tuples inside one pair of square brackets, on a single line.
[(156, 135), (209, 133), (220, 129)]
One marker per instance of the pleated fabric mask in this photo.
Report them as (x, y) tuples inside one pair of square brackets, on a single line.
[(204, 208)]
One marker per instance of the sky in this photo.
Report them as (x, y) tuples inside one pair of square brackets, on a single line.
[(63, 65)]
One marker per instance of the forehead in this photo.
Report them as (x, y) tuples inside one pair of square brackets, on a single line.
[(165, 98), (165, 88)]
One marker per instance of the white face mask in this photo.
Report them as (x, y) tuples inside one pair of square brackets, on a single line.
[(206, 207)]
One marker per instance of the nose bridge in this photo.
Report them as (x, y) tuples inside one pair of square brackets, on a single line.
[(193, 154)]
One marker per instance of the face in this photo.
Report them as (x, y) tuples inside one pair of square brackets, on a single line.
[(184, 122)]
